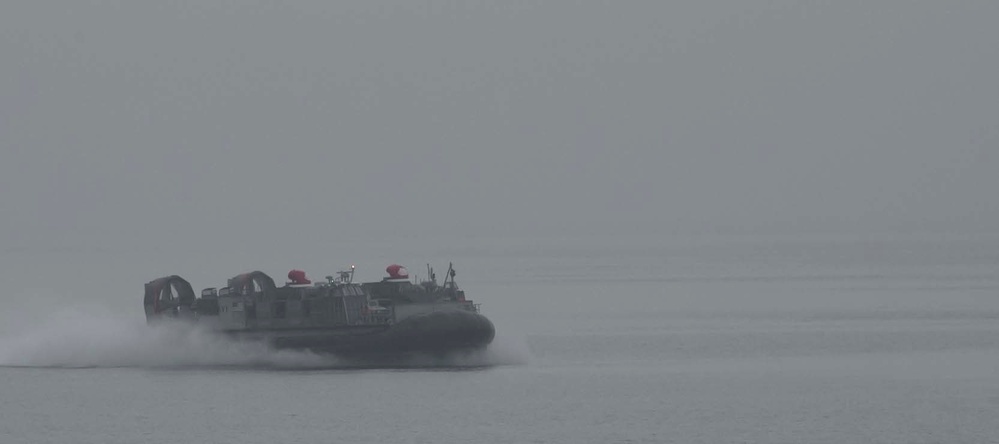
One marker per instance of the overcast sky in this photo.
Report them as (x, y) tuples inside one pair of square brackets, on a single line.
[(198, 124)]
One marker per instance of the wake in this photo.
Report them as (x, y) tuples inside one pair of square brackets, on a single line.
[(82, 340)]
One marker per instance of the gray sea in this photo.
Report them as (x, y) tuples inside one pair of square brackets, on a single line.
[(613, 339)]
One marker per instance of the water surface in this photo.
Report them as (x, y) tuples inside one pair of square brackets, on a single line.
[(606, 340)]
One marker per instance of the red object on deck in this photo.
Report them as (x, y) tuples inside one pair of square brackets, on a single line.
[(396, 271), (297, 277)]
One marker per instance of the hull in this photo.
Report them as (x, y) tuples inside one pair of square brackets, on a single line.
[(436, 332)]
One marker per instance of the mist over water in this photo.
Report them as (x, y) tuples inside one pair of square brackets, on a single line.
[(691, 222)]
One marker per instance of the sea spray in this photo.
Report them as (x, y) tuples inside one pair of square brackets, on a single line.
[(75, 338)]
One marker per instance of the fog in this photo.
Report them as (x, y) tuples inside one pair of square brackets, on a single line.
[(186, 130)]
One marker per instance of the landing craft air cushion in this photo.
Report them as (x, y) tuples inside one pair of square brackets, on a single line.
[(336, 316)]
